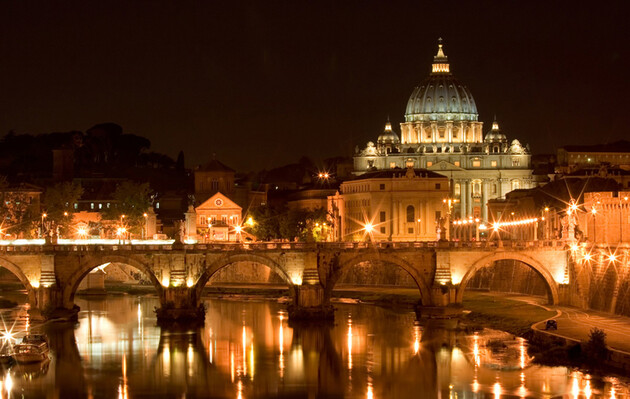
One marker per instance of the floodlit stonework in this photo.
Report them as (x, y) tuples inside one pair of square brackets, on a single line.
[(442, 133)]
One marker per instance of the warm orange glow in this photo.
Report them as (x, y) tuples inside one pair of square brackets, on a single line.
[(593, 211), (612, 257), (368, 227)]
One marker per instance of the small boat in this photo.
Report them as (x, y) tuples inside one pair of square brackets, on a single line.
[(33, 349)]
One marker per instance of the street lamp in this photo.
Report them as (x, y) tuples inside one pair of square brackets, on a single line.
[(368, 228), (145, 231), (418, 228), (41, 229)]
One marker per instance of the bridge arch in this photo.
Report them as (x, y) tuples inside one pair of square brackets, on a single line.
[(487, 261), (17, 272), (82, 271), (425, 292), (227, 260)]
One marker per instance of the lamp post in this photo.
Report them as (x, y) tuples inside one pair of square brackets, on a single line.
[(418, 228), (41, 228), (145, 231)]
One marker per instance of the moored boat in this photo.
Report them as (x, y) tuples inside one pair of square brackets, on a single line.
[(34, 348)]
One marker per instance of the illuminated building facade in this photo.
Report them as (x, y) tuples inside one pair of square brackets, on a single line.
[(590, 157), (393, 205), (217, 219), (606, 217), (442, 133)]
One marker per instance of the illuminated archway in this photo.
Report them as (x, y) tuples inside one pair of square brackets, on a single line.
[(77, 276), (236, 258), (425, 293), (488, 261), (17, 272)]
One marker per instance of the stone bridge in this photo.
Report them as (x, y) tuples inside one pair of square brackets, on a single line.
[(51, 273)]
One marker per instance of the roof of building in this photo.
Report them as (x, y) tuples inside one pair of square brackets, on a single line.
[(215, 166), (397, 173), (617, 146), (441, 93)]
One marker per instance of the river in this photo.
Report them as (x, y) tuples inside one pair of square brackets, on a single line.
[(248, 349)]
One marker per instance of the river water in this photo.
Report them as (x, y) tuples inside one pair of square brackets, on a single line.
[(248, 349)]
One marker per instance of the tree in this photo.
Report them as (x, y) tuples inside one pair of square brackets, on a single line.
[(17, 215), (289, 224), (131, 201), (59, 203)]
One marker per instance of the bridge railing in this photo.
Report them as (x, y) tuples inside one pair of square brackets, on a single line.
[(266, 246)]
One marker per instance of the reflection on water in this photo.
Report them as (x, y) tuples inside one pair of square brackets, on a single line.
[(249, 350)]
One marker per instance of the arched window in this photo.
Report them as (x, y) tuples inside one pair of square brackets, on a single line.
[(411, 214), (516, 184)]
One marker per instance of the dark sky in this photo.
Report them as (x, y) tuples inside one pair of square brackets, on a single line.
[(261, 84)]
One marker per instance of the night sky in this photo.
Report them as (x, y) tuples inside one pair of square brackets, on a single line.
[(261, 84)]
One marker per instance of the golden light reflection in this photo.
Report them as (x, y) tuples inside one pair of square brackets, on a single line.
[(370, 390), (522, 391), (281, 347), (239, 389), (166, 360), (232, 366), (416, 339), (522, 357), (496, 389), (251, 359), (244, 349), (575, 386), (612, 392), (476, 350), (587, 389), (349, 343), (475, 385)]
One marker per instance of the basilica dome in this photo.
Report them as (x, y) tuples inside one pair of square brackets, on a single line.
[(495, 134), (441, 96), (388, 136)]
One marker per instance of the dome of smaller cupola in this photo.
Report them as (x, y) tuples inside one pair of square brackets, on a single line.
[(495, 134), (388, 136)]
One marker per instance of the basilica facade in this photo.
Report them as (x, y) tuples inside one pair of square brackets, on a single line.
[(442, 133)]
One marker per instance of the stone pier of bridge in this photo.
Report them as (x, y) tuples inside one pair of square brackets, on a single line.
[(51, 274)]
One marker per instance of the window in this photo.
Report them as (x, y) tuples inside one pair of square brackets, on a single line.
[(382, 216), (458, 190), (411, 214), (429, 164), (108, 205), (383, 229), (493, 164), (410, 230), (91, 205), (157, 205), (476, 163), (392, 165), (100, 206), (516, 184), (494, 188), (438, 186), (516, 162), (76, 206), (476, 187), (442, 134), (381, 187), (456, 163), (409, 163)]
